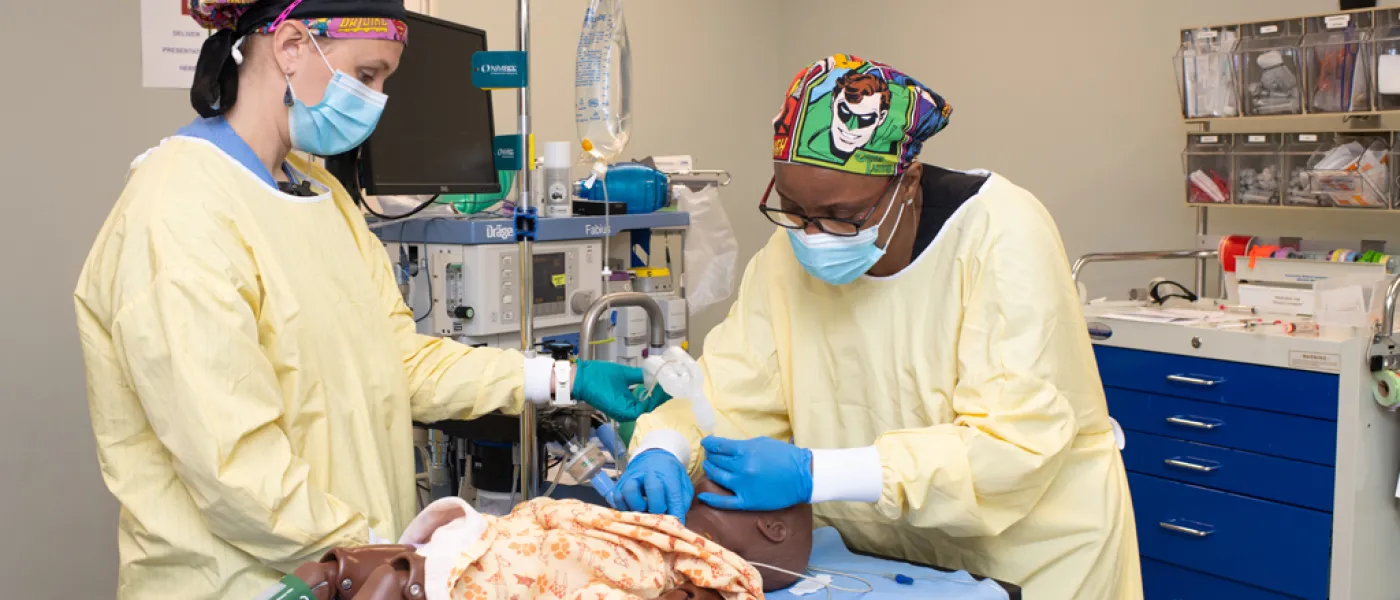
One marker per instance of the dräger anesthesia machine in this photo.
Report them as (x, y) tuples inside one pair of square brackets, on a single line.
[(462, 281), (1259, 432), (476, 262)]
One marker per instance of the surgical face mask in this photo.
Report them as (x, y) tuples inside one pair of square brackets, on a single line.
[(344, 119), (840, 260)]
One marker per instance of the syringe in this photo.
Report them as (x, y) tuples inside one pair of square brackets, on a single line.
[(1304, 328)]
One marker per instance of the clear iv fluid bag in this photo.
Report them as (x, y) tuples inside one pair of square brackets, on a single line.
[(602, 84)]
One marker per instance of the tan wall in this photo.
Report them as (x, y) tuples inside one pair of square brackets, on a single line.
[(1073, 100), (74, 114)]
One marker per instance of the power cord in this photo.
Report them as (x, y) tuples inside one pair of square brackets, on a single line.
[(346, 168)]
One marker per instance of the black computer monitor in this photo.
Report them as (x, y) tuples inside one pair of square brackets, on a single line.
[(436, 133)]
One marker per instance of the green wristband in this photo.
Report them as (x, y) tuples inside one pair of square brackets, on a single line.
[(290, 588)]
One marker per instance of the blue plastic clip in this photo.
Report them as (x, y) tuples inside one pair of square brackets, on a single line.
[(526, 224)]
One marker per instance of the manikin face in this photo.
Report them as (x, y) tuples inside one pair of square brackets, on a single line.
[(782, 538), (852, 125)]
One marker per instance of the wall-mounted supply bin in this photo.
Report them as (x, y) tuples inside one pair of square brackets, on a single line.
[(1208, 168), (1271, 63), (1353, 171), (1258, 168), (1298, 148), (1386, 52), (1207, 75), (1336, 49)]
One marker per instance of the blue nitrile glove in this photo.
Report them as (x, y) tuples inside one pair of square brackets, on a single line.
[(655, 482), (764, 474), (608, 387)]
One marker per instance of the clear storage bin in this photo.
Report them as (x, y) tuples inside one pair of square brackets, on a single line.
[(1353, 171), (1298, 148), (1207, 75), (1271, 62), (1385, 51), (1258, 168), (1208, 168), (1336, 48)]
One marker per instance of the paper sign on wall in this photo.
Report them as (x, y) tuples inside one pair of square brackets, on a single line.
[(170, 43)]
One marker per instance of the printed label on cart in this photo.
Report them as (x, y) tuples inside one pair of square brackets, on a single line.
[(1315, 361), (1337, 21), (1256, 139), (1307, 137), (1210, 139), (1268, 29)]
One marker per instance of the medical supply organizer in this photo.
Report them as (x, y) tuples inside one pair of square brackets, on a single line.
[(1340, 63), (1260, 468), (1344, 169)]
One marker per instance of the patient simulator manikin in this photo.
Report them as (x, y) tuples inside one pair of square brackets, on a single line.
[(566, 549)]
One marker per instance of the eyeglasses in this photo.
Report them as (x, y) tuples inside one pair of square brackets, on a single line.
[(836, 226)]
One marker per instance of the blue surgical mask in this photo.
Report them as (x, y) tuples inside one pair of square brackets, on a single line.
[(343, 120), (840, 260)]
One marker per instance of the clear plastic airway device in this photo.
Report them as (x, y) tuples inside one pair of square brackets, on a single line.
[(586, 464), (681, 377)]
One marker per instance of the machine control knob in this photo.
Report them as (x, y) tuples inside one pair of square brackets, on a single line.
[(464, 312), (581, 301)]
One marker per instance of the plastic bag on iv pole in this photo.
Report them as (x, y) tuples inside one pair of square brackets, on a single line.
[(602, 86), (711, 250)]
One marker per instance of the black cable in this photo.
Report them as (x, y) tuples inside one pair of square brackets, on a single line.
[(1158, 298), (429, 277), (346, 168)]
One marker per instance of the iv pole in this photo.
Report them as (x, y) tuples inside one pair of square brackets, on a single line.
[(529, 461)]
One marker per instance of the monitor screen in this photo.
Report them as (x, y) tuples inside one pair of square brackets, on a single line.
[(436, 133)]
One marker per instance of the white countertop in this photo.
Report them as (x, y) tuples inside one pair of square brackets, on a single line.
[(1265, 345)]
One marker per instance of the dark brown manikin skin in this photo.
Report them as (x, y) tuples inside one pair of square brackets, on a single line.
[(780, 538)]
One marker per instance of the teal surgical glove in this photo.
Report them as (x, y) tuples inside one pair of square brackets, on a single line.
[(655, 482), (608, 387), (764, 474)]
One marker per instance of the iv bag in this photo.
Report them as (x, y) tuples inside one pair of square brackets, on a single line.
[(602, 85)]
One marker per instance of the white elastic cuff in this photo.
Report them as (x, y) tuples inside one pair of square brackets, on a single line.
[(669, 440), (850, 475), (539, 371)]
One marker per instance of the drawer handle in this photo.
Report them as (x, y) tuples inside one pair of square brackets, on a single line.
[(1192, 423), (1190, 466), (1189, 380), (1191, 531)]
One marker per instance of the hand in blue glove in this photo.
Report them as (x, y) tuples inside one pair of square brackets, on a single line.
[(764, 474), (655, 482), (608, 387)]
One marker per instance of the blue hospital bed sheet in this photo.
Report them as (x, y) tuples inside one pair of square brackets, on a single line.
[(829, 552)]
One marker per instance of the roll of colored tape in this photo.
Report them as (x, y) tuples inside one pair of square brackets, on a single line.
[(1284, 253), (1385, 388), (1231, 248), (1350, 256), (1258, 252)]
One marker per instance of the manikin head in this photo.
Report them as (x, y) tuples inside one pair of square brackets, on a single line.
[(781, 538)]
